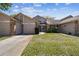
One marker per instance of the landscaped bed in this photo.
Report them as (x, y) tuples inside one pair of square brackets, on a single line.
[(52, 44), (2, 37)]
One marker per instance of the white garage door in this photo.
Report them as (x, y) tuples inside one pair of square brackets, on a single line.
[(29, 28), (5, 28)]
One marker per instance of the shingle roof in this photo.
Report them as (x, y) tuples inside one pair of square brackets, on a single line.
[(24, 15), (70, 19), (51, 21), (8, 16), (70, 16), (39, 19), (4, 14)]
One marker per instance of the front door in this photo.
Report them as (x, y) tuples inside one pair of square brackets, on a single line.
[(42, 28)]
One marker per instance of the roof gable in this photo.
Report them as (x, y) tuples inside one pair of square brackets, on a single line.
[(21, 17), (40, 19)]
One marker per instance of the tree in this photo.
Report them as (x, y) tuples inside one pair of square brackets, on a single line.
[(5, 6), (13, 15)]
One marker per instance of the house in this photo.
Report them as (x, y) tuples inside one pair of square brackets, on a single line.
[(70, 25), (6, 24), (41, 23), (24, 24)]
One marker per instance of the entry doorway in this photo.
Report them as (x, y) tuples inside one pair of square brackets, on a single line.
[(42, 28)]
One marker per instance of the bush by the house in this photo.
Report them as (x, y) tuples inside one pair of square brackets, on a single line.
[(36, 30), (49, 31), (53, 30)]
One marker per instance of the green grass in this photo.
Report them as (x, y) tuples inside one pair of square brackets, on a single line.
[(52, 44), (2, 37)]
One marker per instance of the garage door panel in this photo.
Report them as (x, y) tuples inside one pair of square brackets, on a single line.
[(29, 28)]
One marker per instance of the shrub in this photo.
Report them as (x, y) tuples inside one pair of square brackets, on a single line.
[(36, 30), (53, 30), (70, 33), (49, 31)]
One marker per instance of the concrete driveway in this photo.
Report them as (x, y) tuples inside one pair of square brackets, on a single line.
[(14, 45)]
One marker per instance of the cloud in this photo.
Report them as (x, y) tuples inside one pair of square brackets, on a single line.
[(15, 10), (48, 12), (67, 3), (31, 10), (59, 12), (75, 13), (27, 9), (37, 4), (23, 3), (16, 6), (56, 4), (52, 12)]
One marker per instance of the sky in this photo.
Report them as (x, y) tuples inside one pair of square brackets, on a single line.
[(56, 10)]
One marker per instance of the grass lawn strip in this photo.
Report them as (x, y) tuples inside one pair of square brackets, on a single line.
[(52, 44), (2, 37)]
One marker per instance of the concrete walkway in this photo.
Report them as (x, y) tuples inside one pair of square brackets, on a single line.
[(14, 46), (41, 33)]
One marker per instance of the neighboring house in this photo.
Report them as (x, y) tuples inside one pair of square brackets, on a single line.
[(44, 24), (6, 24), (41, 23), (70, 25), (24, 24)]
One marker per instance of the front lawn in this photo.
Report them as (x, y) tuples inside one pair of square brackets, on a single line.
[(52, 44), (2, 37)]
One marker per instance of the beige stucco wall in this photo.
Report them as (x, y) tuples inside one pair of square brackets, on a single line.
[(27, 19), (68, 28), (29, 28), (4, 25)]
